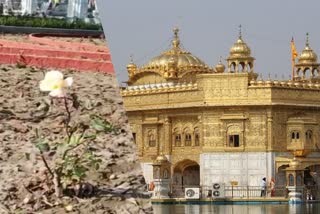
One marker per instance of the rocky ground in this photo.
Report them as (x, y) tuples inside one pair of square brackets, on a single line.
[(24, 108)]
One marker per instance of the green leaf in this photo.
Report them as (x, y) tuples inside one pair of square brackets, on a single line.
[(75, 139), (101, 125), (43, 146), (80, 171)]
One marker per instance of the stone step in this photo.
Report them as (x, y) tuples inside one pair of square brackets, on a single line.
[(55, 53), (54, 62)]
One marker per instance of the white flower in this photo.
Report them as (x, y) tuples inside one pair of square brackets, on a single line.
[(54, 82)]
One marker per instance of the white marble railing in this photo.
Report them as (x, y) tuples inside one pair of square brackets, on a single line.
[(159, 87), (284, 84)]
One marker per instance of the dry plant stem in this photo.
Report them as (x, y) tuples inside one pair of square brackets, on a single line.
[(45, 200), (46, 164), (57, 173), (57, 185), (68, 150), (68, 118)]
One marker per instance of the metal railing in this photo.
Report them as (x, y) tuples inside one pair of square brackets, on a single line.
[(177, 191)]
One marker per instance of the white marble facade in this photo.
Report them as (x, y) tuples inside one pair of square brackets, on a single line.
[(248, 168), (147, 171)]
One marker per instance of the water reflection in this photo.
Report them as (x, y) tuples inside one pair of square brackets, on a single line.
[(238, 209)]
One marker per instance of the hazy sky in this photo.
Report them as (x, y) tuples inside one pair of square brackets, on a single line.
[(208, 29)]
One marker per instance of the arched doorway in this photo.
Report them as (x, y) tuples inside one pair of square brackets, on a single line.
[(280, 176), (186, 173)]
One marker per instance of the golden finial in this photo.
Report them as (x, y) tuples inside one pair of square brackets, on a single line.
[(176, 41), (220, 67), (131, 58), (307, 40), (240, 33), (131, 67), (176, 31)]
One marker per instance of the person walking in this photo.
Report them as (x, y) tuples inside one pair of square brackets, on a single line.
[(272, 187), (263, 186)]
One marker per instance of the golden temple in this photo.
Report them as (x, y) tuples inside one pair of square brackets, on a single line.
[(222, 124)]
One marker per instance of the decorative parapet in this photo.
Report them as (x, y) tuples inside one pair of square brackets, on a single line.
[(158, 88), (283, 84)]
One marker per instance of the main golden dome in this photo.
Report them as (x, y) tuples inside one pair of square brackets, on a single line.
[(175, 62)]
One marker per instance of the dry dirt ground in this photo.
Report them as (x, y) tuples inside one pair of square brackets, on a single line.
[(24, 108), (24, 38)]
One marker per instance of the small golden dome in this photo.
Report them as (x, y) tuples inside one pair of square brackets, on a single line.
[(240, 48), (182, 60), (131, 65), (294, 163), (161, 159), (307, 56), (220, 67)]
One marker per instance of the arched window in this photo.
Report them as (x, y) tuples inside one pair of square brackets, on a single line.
[(187, 137), (233, 136), (134, 136), (176, 137), (291, 180), (299, 180), (151, 139), (177, 140), (165, 174), (295, 135), (234, 140), (309, 136), (196, 137)]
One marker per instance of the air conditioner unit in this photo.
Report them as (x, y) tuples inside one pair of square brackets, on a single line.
[(218, 190), (192, 193)]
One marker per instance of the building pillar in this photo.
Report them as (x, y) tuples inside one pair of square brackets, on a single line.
[(77, 9), (167, 140), (7, 6), (269, 131), (139, 140), (28, 6)]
